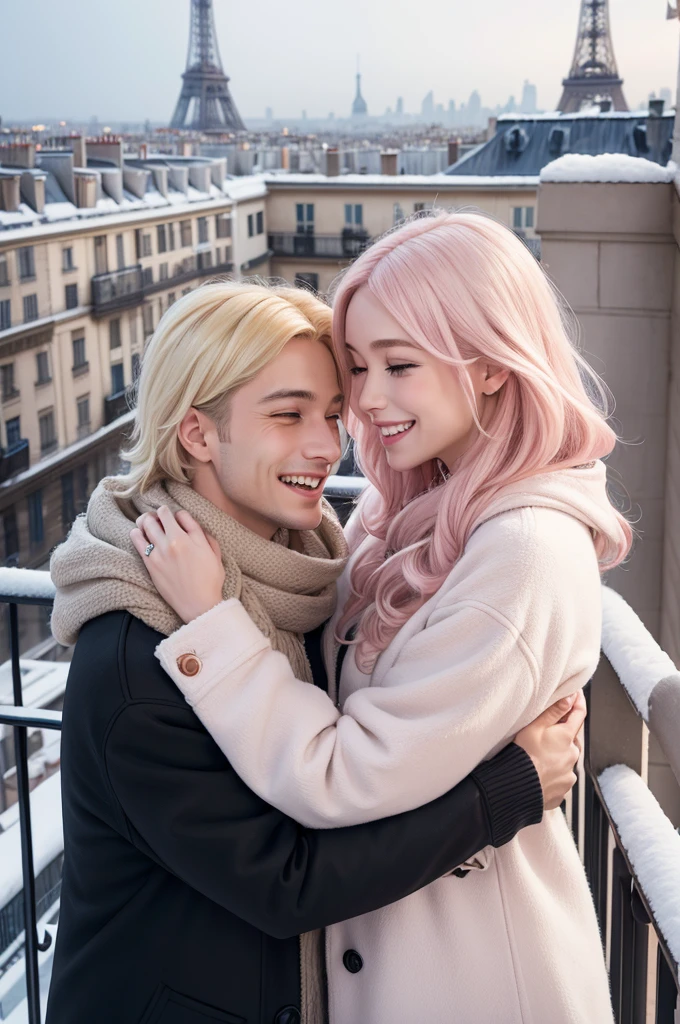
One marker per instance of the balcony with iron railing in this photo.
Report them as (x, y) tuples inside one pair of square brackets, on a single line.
[(630, 849), (344, 246), (121, 289), (115, 406), (14, 459)]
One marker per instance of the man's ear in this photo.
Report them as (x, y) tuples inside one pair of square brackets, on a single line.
[(193, 432)]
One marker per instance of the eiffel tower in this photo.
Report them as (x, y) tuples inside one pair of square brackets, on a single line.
[(204, 80), (593, 75)]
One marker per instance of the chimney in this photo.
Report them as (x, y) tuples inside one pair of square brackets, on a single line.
[(18, 154), (388, 161), (285, 158), (85, 189), (605, 106), (33, 189), (491, 128), (453, 151), (332, 162), (10, 192), (143, 150), (79, 149), (654, 125)]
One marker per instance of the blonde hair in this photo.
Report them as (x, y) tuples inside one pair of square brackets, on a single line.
[(209, 343)]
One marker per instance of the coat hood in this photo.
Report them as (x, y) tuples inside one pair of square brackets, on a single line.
[(580, 492)]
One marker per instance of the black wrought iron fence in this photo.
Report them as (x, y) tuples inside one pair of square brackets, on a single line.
[(625, 913)]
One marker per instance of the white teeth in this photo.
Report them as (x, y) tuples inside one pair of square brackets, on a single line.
[(398, 429), (301, 481)]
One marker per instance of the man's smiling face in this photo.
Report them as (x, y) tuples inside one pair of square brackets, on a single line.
[(282, 439)]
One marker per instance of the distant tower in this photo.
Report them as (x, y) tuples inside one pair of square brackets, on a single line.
[(359, 108), (204, 80), (400, 105), (593, 73), (427, 106), (529, 98)]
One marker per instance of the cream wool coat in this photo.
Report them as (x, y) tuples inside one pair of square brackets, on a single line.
[(515, 626)]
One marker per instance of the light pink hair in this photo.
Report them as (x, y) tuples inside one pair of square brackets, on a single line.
[(464, 286)]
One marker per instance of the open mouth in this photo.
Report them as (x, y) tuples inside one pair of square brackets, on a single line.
[(311, 486), (392, 434)]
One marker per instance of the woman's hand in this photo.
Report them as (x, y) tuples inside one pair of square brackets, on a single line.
[(185, 565)]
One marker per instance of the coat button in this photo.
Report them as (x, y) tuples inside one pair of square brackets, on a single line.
[(352, 961), (287, 1015), (189, 664)]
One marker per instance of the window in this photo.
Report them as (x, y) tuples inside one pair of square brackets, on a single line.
[(163, 272), (132, 325), (114, 334), (171, 299), (5, 315), (13, 428), (67, 259), (68, 499), (305, 218), (218, 257), (30, 308), (71, 296), (529, 216), (4, 271), (306, 280), (48, 434), (35, 518), (82, 475), (204, 260), (117, 378), (161, 238), (354, 215), (79, 359), (11, 535), (260, 222), (146, 245), (147, 318), (522, 217), (202, 230), (397, 213), (171, 236), (147, 276), (101, 261), (136, 366), (120, 251), (222, 225), (26, 262), (251, 225), (43, 367), (83, 409), (9, 390), (186, 235)]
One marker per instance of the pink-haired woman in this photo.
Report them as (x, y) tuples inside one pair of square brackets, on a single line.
[(473, 600)]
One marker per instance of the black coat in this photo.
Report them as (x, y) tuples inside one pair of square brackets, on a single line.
[(183, 892)]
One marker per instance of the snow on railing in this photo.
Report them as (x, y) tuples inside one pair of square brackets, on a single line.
[(26, 583), (632, 652), (652, 845)]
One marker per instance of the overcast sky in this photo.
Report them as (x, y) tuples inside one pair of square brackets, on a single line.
[(122, 60)]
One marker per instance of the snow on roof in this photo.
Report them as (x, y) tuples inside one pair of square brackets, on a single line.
[(26, 583), (556, 115), (652, 845), (397, 181), (48, 838), (606, 167), (23, 217), (632, 651)]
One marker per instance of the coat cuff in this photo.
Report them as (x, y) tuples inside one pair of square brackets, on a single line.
[(222, 639), (512, 792)]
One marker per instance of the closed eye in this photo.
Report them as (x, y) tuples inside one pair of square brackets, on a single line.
[(398, 369), (290, 415)]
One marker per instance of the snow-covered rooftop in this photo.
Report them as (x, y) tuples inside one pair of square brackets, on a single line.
[(593, 112), (607, 167), (411, 181)]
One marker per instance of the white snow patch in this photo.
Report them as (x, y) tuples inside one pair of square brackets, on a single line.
[(48, 838), (652, 845), (397, 181), (632, 651), (26, 583), (591, 112), (606, 167), (60, 211)]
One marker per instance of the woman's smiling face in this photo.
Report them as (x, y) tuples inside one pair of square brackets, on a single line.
[(414, 400)]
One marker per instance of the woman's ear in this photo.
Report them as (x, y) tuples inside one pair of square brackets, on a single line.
[(192, 433), (494, 379)]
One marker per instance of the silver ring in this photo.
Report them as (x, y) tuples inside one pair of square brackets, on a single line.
[(148, 549)]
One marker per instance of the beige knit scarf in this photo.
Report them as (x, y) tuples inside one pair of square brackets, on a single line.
[(286, 593)]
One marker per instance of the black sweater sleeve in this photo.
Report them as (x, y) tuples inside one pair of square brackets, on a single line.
[(185, 807)]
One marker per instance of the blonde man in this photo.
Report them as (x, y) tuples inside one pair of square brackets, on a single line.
[(185, 897)]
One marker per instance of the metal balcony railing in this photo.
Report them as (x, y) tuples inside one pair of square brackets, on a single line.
[(343, 246), (124, 288), (14, 460), (637, 897)]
